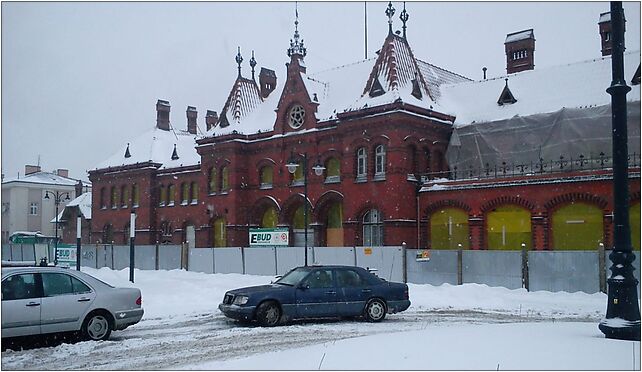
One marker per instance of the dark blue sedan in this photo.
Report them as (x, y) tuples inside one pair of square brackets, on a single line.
[(317, 292)]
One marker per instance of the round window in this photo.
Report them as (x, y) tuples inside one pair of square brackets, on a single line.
[(296, 116)]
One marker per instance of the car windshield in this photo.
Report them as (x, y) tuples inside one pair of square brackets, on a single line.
[(294, 277)]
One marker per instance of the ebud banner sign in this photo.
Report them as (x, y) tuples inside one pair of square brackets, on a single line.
[(269, 237)]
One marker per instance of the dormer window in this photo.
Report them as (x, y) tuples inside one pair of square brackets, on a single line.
[(506, 97), (416, 91), (376, 89)]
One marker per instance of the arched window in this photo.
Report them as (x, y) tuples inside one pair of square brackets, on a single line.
[(578, 226), (212, 181), (194, 187), (297, 177), (380, 162), (270, 217), (508, 227), (634, 223), (219, 232), (267, 176), (135, 195), (225, 179), (162, 196), (124, 196), (171, 195), (103, 199), (372, 228), (184, 193), (449, 229), (165, 233), (334, 226), (362, 164), (297, 222), (113, 198), (333, 171)]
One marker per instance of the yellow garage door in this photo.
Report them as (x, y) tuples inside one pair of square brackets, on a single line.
[(449, 229), (577, 226), (508, 227)]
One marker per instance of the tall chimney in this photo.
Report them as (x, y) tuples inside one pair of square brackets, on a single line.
[(520, 51), (267, 81), (210, 119), (78, 188), (29, 169), (162, 114), (604, 25), (191, 119), (63, 172)]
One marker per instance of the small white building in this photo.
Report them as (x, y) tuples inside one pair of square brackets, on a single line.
[(24, 207)]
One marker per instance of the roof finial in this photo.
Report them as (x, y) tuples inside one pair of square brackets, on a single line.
[(239, 60), (390, 11), (296, 47), (404, 18), (252, 64)]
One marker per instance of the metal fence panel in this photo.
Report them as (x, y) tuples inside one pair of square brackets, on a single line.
[(28, 252), (121, 256), (104, 254), (493, 268), (88, 256), (387, 260), (201, 260), (6, 252), (287, 258), (144, 257), (16, 252), (332, 256), (636, 266), (169, 257), (568, 271), (228, 260), (260, 261), (442, 267)]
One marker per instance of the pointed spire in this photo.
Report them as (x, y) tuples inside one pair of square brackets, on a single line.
[(174, 153), (239, 60), (252, 64), (127, 154), (404, 18), (296, 47), (390, 11)]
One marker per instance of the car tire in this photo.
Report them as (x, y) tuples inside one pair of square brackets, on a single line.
[(96, 327), (268, 314), (375, 310)]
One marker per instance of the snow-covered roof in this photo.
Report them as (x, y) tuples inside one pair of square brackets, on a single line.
[(157, 146), (544, 90), (44, 178), (83, 202), (520, 35), (243, 100)]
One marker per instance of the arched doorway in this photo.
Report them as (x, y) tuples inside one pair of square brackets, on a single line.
[(334, 225), (449, 229), (577, 226), (219, 232), (508, 227)]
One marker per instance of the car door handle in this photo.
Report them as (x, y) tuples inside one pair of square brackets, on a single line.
[(366, 290), (31, 304), (84, 299), (331, 292)]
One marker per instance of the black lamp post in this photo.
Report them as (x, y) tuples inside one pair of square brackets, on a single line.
[(318, 170), (622, 319), (58, 198), (132, 233)]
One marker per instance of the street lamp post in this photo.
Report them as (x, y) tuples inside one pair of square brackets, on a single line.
[(622, 320), (132, 233), (292, 166), (58, 198)]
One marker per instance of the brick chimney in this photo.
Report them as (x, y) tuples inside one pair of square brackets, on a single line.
[(78, 188), (63, 172), (210, 119), (191, 119), (267, 81), (29, 169), (162, 114), (520, 51), (604, 25)]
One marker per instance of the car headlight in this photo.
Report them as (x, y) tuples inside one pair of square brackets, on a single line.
[(240, 300)]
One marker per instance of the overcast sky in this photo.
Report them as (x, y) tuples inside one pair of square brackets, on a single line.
[(80, 80)]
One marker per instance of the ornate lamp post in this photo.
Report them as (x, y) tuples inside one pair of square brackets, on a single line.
[(318, 168), (622, 319), (58, 198)]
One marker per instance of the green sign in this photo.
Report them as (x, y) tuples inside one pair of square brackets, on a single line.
[(269, 237), (67, 254)]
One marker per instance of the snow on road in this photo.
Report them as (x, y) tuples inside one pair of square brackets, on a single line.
[(447, 327)]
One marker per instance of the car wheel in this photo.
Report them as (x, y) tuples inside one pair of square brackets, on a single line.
[(375, 310), (96, 327), (268, 314)]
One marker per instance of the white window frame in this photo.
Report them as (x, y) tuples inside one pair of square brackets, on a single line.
[(362, 164), (33, 208), (372, 228), (380, 162)]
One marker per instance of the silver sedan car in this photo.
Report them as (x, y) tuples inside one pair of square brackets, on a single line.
[(39, 300)]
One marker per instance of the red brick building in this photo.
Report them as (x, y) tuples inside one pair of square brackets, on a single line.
[(390, 139)]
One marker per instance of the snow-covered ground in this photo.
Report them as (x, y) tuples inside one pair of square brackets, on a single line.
[(447, 327)]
